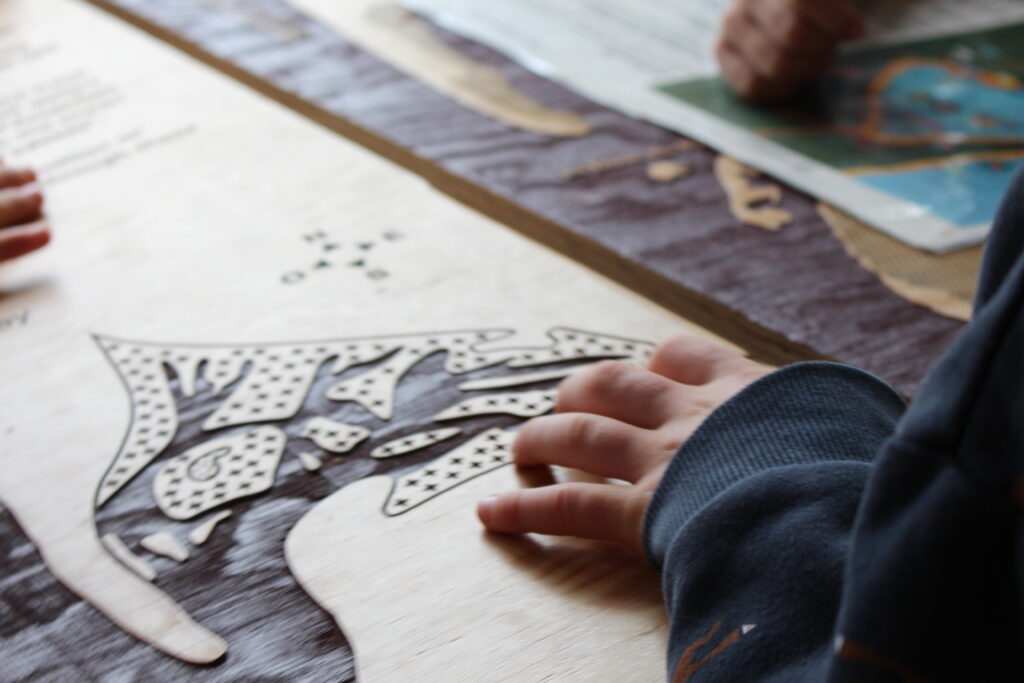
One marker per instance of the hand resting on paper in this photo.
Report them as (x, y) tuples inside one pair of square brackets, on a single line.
[(22, 227), (617, 421), (768, 49)]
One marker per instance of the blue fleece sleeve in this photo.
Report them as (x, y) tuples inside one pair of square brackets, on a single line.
[(750, 525), (934, 588)]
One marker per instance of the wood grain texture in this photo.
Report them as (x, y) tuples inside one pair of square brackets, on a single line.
[(787, 296), (589, 611)]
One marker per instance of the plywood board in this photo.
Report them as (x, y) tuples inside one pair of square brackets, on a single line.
[(205, 241)]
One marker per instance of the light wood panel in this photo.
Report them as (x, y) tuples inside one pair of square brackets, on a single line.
[(196, 223)]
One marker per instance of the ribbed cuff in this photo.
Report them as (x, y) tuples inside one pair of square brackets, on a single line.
[(803, 413)]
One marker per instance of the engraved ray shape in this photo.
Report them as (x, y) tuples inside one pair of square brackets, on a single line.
[(375, 388), (505, 382), (334, 436), (414, 442), (519, 403), (571, 344), (485, 452), (218, 471), (154, 416)]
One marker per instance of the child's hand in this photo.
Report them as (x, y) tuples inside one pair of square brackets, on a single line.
[(621, 422), (22, 228), (767, 49)]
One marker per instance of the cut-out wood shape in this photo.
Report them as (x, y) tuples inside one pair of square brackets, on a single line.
[(606, 165), (126, 557), (311, 462), (520, 403), (481, 454), (751, 204), (219, 471), (333, 436), (429, 595), (408, 43), (166, 544), (519, 379), (945, 283), (404, 445), (201, 533), (666, 171)]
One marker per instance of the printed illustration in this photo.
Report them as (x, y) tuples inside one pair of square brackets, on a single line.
[(924, 121)]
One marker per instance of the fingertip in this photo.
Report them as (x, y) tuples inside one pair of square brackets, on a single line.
[(485, 510), (43, 236)]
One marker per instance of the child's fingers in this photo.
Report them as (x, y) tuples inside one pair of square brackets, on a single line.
[(696, 361), (771, 60), (13, 177), (20, 205), (620, 391), (598, 511), (15, 242), (743, 79), (595, 444)]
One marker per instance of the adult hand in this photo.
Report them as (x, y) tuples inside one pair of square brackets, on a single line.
[(767, 49), (622, 422)]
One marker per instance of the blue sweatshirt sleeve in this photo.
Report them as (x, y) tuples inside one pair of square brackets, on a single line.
[(813, 529), (934, 588), (751, 523)]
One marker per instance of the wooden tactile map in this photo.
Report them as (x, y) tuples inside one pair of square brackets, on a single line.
[(179, 413)]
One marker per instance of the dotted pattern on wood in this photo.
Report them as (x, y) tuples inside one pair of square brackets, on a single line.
[(277, 378), (414, 442), (334, 436), (572, 344), (484, 453), (218, 471), (274, 389), (375, 389), (154, 418), (522, 404)]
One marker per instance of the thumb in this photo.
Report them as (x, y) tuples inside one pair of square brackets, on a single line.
[(607, 512)]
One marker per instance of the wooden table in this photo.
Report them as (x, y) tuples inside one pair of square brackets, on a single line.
[(786, 296)]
